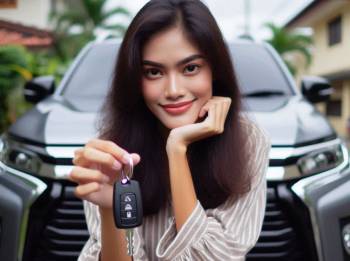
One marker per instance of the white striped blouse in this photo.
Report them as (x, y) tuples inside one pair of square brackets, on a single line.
[(227, 232)]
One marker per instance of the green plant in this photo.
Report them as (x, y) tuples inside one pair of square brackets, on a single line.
[(13, 71), (286, 42), (84, 17)]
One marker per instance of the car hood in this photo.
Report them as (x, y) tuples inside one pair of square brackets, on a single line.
[(54, 122), (289, 121)]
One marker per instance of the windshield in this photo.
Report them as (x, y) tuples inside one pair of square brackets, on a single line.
[(89, 82), (257, 72)]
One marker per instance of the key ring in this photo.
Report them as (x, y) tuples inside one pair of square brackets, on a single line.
[(126, 178)]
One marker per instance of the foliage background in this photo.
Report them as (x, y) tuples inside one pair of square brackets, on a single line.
[(78, 23)]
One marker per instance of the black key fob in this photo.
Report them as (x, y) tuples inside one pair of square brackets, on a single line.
[(127, 204)]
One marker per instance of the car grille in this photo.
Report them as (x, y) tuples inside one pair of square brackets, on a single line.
[(64, 233), (280, 238)]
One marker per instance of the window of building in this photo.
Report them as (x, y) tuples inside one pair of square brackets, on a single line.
[(334, 31), (333, 108)]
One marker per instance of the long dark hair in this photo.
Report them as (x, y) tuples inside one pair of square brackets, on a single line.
[(218, 163)]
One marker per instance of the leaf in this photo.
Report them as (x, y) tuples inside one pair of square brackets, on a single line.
[(26, 74), (286, 42)]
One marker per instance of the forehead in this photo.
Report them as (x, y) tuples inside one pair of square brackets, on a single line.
[(167, 46)]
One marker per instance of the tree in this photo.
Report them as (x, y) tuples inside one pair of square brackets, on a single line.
[(286, 43), (13, 70), (85, 17)]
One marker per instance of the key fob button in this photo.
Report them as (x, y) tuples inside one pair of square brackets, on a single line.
[(128, 197), (128, 214), (129, 206)]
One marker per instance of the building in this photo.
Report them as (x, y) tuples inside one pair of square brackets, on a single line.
[(330, 21), (26, 22)]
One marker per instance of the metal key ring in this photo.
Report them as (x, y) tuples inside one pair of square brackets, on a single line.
[(126, 178)]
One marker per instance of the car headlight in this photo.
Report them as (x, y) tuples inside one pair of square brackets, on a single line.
[(2, 148), (16, 156), (322, 160)]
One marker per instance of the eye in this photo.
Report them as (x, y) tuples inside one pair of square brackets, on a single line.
[(191, 69), (152, 73)]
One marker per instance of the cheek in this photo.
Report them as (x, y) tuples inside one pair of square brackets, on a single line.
[(202, 86), (151, 91)]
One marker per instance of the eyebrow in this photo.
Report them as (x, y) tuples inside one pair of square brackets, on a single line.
[(181, 62)]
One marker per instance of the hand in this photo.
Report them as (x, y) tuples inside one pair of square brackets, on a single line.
[(217, 109), (97, 166)]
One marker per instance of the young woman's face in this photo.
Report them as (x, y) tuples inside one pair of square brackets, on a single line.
[(177, 80)]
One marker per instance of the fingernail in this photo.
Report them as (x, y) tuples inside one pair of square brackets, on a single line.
[(117, 165), (126, 158)]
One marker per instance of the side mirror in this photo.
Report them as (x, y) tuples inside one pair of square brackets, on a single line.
[(39, 88), (316, 89)]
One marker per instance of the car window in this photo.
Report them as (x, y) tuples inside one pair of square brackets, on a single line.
[(89, 82), (255, 68), (257, 71)]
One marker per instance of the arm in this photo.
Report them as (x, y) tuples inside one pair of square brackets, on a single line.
[(182, 188), (229, 231), (112, 239), (92, 248), (97, 168)]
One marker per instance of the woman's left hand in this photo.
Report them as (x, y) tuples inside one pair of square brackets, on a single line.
[(217, 109)]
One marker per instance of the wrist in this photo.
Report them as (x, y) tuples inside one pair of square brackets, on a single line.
[(105, 212), (175, 146)]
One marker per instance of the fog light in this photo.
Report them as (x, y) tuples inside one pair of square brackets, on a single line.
[(22, 160), (346, 238), (321, 160)]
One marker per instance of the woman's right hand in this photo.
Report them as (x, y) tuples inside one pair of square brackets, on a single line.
[(97, 166)]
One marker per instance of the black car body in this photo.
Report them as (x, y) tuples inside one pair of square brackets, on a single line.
[(308, 205)]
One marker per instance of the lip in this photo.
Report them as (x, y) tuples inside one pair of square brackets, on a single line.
[(177, 108)]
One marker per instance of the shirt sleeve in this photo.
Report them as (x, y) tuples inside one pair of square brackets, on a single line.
[(92, 248), (229, 231)]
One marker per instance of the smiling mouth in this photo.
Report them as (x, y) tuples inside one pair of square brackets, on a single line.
[(178, 108)]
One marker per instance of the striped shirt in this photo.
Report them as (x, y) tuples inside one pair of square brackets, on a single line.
[(227, 232)]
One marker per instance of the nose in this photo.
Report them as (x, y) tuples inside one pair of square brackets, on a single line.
[(174, 88)]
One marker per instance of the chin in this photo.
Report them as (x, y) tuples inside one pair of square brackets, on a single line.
[(176, 123)]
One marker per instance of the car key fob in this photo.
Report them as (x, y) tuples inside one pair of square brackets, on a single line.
[(127, 204)]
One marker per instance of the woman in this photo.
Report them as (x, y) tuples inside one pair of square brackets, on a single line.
[(174, 108)]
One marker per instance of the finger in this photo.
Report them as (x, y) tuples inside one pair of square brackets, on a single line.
[(84, 175), (227, 106), (136, 158), (78, 159), (210, 120), (203, 111), (111, 148), (220, 117), (86, 189), (93, 156), (205, 108)]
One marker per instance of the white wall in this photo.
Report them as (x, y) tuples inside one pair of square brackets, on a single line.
[(28, 12)]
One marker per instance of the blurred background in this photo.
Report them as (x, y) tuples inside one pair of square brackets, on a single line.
[(42, 37)]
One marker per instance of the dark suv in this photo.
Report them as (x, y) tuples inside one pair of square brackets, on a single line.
[(308, 203)]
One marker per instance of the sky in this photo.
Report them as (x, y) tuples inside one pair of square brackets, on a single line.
[(230, 17)]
